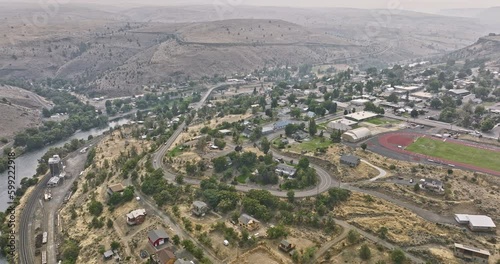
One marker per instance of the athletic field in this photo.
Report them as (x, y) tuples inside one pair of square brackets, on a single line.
[(480, 157)]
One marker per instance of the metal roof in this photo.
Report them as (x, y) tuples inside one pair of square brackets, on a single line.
[(473, 249), (154, 235)]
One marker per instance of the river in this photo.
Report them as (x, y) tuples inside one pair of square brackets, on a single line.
[(27, 163)]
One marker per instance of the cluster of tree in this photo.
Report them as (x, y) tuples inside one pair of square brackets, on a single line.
[(291, 129), (260, 203), (118, 105), (120, 198), (304, 177), (369, 106), (197, 252), (219, 196), (81, 117), (156, 186)]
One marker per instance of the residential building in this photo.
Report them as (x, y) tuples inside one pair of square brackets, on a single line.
[(472, 254), (157, 237), (248, 222), (116, 188), (433, 185), (349, 160), (286, 246), (108, 254), (136, 217), (284, 169), (476, 223), (357, 135), (165, 256), (281, 124), (459, 93), (55, 166), (199, 208), (182, 261), (359, 102)]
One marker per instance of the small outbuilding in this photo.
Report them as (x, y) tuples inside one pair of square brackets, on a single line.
[(350, 160), (199, 208), (472, 254), (157, 237)]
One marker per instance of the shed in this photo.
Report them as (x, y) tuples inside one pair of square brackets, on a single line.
[(349, 160), (157, 237), (108, 254), (472, 254), (285, 169), (476, 222), (199, 208), (115, 188)]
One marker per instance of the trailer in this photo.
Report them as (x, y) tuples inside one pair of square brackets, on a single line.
[(44, 257), (44, 238)]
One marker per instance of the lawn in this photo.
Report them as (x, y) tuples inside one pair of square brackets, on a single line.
[(382, 121), (176, 151), (483, 158), (312, 144)]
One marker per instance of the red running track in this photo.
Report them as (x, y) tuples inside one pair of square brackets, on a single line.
[(392, 141)]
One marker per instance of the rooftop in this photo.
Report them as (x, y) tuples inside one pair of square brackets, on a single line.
[(359, 116), (476, 220), (473, 249), (199, 204), (350, 158), (246, 219), (116, 187), (136, 213), (157, 234)]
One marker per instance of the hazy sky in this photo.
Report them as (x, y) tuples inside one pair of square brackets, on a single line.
[(401, 4)]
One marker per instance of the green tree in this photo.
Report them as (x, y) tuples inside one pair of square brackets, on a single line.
[(487, 125), (436, 103), (382, 232), (303, 163), (393, 98), (46, 112), (414, 113), (115, 245), (291, 196), (265, 145), (398, 256), (176, 239), (365, 252), (364, 146), (95, 207), (312, 127), (353, 236), (278, 231)]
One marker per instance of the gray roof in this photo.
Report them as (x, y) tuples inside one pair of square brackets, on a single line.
[(349, 159), (244, 218), (199, 204), (433, 182), (108, 254), (282, 123), (285, 167), (181, 261), (285, 243), (157, 234)]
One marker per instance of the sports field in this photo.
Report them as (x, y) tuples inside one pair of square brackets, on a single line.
[(483, 158)]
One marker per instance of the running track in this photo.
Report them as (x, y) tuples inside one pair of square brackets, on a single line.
[(392, 141)]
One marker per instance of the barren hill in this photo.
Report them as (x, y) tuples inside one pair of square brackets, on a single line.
[(115, 52), (487, 48)]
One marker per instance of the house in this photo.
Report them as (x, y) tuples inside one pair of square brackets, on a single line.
[(357, 135), (225, 131), (311, 114), (349, 160), (458, 93), (433, 185), (116, 188), (246, 132), (284, 169), (248, 222), (165, 256), (286, 246), (136, 217), (182, 261), (281, 124), (476, 222), (199, 208), (108, 254), (471, 254), (157, 237)]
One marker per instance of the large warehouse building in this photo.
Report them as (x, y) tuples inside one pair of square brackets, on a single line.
[(357, 134)]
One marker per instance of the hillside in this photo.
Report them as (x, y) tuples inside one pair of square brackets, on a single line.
[(487, 48), (114, 51)]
